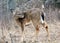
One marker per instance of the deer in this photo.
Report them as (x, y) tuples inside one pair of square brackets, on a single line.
[(35, 15)]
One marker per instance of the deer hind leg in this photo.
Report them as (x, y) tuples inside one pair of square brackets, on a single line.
[(47, 30), (46, 27), (36, 33)]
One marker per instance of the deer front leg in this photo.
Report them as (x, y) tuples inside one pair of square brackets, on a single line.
[(23, 36), (23, 33)]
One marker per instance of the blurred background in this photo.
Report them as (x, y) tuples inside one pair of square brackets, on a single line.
[(8, 27)]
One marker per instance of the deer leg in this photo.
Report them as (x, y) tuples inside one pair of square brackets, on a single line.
[(36, 33), (37, 30), (22, 28), (23, 36), (46, 27)]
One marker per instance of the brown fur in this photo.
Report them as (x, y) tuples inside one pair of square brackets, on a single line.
[(31, 15)]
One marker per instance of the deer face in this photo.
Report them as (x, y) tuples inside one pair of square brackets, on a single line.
[(18, 14)]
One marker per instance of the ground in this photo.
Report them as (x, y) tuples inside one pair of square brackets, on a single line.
[(14, 35)]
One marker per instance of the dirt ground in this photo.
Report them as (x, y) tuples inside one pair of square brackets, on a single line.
[(14, 34)]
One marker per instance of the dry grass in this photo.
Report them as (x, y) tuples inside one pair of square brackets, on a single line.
[(15, 32)]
